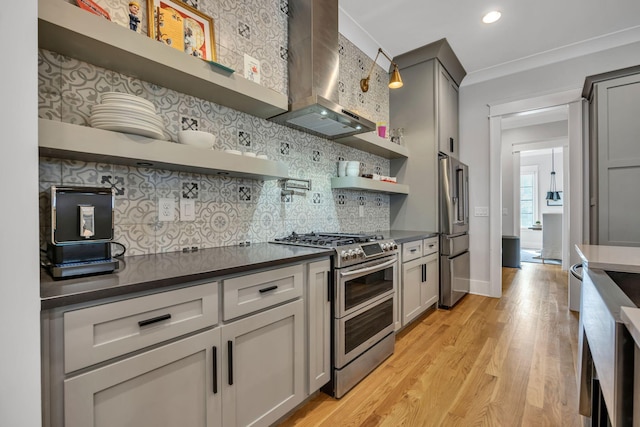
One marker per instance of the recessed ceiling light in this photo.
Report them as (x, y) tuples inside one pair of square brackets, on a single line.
[(491, 17)]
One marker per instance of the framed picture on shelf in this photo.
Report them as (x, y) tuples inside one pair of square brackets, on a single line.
[(555, 202), (182, 27)]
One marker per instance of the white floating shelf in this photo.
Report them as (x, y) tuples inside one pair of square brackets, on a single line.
[(366, 184), (69, 141), (65, 28), (372, 143)]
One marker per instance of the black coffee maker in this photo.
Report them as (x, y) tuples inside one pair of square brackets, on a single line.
[(81, 231)]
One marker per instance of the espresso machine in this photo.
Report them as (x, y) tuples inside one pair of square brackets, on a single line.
[(81, 231)]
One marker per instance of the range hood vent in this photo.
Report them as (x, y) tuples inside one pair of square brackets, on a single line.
[(313, 73)]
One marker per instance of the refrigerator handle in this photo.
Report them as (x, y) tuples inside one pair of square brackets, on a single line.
[(460, 211), (466, 196)]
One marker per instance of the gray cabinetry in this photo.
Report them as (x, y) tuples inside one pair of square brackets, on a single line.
[(169, 386), (447, 112), (183, 357), (318, 325), (263, 366), (427, 108), (420, 278), (615, 161)]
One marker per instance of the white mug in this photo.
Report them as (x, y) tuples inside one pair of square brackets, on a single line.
[(342, 168)]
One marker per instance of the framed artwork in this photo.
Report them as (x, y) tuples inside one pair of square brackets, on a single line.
[(555, 202), (182, 27)]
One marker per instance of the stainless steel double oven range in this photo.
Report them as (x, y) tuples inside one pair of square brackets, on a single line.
[(365, 279)]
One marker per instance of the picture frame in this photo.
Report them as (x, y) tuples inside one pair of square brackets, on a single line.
[(182, 27), (555, 202)]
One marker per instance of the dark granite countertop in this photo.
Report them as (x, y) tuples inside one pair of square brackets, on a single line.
[(404, 236), (147, 272)]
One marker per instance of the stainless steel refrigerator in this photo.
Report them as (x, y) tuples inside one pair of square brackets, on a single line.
[(454, 231)]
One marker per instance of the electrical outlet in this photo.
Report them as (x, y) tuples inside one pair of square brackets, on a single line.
[(166, 209), (481, 211), (187, 210)]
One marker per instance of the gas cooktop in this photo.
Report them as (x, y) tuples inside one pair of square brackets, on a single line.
[(322, 239), (350, 248)]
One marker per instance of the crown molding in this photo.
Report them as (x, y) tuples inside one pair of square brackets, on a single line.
[(586, 47)]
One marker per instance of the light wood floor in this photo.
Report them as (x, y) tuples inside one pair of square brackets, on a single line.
[(488, 362)]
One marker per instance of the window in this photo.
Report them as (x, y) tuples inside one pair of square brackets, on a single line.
[(528, 196)]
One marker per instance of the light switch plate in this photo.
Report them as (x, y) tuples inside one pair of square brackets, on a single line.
[(481, 211), (187, 210), (166, 209)]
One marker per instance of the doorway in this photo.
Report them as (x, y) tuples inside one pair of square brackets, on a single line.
[(541, 218), (499, 177)]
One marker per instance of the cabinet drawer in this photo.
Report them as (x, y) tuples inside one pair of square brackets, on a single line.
[(99, 333), (411, 250), (253, 292), (430, 245)]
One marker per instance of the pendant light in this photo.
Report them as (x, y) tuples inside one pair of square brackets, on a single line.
[(553, 194)]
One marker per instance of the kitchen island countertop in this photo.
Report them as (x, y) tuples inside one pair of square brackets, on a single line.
[(147, 272), (613, 258)]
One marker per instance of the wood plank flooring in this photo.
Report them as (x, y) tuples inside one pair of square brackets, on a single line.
[(488, 362)]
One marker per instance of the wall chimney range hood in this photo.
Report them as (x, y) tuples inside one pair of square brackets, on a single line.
[(313, 73)]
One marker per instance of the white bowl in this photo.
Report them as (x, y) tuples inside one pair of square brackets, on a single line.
[(196, 138)]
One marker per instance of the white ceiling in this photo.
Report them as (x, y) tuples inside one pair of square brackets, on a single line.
[(530, 33)]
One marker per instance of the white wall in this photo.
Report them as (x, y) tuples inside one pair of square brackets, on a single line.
[(474, 130), (19, 253)]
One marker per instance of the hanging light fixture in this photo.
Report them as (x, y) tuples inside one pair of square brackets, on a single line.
[(395, 81), (553, 194)]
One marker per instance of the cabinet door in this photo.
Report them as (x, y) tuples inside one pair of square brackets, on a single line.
[(412, 277), (618, 107), (263, 373), (447, 114), (429, 289), (174, 385), (319, 325)]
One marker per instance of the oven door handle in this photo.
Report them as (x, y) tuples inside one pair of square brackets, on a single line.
[(366, 269)]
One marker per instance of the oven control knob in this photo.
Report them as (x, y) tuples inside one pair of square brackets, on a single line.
[(344, 255), (395, 246), (359, 253), (385, 247)]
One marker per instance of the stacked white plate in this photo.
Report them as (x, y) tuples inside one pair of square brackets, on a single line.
[(122, 112)]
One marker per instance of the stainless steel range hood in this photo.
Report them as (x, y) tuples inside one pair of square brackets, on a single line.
[(313, 73)]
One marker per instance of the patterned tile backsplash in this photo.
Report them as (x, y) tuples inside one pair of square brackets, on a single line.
[(228, 210), (259, 28)]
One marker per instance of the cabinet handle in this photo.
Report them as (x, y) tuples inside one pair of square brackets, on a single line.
[(215, 369), (154, 320), (230, 365), (424, 273), (270, 288), (451, 144), (413, 250)]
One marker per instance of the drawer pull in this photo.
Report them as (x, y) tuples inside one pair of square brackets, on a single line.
[(270, 288), (413, 250), (154, 320), (230, 365), (215, 369)]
